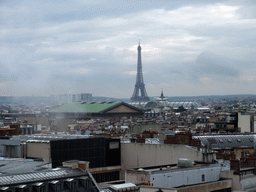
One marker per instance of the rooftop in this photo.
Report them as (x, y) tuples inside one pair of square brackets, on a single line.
[(23, 171), (17, 166), (170, 168), (227, 141), (85, 107)]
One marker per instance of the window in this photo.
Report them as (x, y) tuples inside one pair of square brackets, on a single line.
[(203, 178), (113, 145)]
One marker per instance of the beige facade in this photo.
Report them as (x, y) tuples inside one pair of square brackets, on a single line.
[(243, 150), (139, 128), (136, 155), (122, 109), (254, 123), (43, 120), (137, 177), (236, 186), (41, 150), (244, 122)]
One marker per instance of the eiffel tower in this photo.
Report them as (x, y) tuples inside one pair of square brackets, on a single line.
[(139, 93)]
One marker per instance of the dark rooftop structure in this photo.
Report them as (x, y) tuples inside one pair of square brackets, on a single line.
[(224, 142), (17, 166), (30, 175)]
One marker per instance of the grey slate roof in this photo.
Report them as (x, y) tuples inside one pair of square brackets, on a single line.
[(249, 184), (227, 141), (16, 173), (16, 166), (16, 179)]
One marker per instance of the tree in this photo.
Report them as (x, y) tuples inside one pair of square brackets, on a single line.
[(180, 109), (236, 105), (217, 107)]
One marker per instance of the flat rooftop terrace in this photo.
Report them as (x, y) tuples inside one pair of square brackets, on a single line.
[(172, 167)]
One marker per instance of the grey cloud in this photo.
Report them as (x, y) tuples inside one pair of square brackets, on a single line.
[(46, 43), (210, 63), (247, 8), (61, 12)]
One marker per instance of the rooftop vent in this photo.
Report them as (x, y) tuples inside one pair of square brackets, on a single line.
[(184, 163), (124, 187)]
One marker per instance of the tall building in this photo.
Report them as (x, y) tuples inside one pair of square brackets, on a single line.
[(86, 97), (82, 97), (139, 93)]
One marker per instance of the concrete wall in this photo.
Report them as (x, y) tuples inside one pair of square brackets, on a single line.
[(184, 177), (155, 189), (244, 122), (10, 148), (13, 151), (236, 186), (137, 177), (238, 151), (207, 187), (170, 178), (39, 150), (254, 123), (135, 155)]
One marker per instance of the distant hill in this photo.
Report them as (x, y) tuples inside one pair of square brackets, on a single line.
[(24, 100), (177, 98), (209, 97), (97, 98), (34, 100)]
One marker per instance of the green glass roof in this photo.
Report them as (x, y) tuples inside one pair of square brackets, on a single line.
[(91, 107)]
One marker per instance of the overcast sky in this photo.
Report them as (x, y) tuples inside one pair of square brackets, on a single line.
[(199, 47)]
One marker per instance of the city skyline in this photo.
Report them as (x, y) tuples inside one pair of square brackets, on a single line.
[(189, 48)]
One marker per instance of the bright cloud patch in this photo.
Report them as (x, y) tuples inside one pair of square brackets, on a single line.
[(132, 73), (248, 78)]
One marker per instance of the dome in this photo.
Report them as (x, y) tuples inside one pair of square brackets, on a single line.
[(185, 104), (151, 104)]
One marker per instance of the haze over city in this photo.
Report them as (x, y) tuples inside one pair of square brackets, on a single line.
[(189, 48)]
